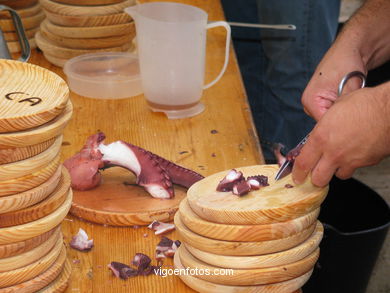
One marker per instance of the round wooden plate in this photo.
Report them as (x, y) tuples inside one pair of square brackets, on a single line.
[(274, 203), (251, 277), (12, 36), (24, 12), (79, 10), (32, 270), (203, 286), (14, 46), (29, 22), (21, 168), (91, 31), (41, 280), (16, 248), (19, 4), (245, 233), (41, 209), (81, 21), (61, 283), (33, 229), (239, 248), (116, 202), (52, 49), (30, 197), (261, 261), (89, 2), (90, 43), (38, 134), (24, 259), (32, 95), (55, 60), (29, 181)]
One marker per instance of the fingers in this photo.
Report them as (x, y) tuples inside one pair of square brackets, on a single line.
[(323, 172)]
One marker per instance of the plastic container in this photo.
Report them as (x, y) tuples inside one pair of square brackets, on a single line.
[(106, 75)]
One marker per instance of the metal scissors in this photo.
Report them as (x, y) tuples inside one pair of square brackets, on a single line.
[(287, 166)]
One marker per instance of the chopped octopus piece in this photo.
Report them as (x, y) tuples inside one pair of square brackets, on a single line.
[(289, 186), (166, 248), (141, 261), (161, 228), (122, 271), (241, 188), (80, 241), (263, 180), (227, 183)]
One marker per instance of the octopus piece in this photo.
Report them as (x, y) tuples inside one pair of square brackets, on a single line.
[(276, 148), (261, 179), (80, 241), (166, 248), (161, 228), (241, 188), (141, 261), (121, 270), (227, 183)]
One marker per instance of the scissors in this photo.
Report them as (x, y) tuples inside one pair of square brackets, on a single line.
[(287, 166)]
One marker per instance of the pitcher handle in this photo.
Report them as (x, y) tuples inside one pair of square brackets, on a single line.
[(227, 47)]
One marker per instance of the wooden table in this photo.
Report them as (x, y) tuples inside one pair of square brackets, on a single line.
[(220, 138)]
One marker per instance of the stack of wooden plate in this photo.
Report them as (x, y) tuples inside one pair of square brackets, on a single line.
[(31, 14), (74, 28), (35, 193), (267, 240)]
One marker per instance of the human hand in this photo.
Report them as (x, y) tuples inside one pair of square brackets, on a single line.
[(355, 132)]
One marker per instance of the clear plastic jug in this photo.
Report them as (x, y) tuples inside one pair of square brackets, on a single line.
[(171, 39)]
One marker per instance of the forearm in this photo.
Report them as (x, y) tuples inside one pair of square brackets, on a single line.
[(368, 32)]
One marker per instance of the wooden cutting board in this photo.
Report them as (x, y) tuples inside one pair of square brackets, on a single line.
[(89, 2), (19, 4), (80, 10), (32, 270), (30, 197), (62, 281), (14, 46), (29, 181), (91, 31), (261, 261), (239, 248), (81, 21), (51, 48), (24, 259), (38, 134), (246, 277), (55, 60), (33, 229), (24, 12), (274, 203), (90, 43), (41, 209), (119, 202), (8, 250), (29, 22), (13, 36), (245, 233), (30, 95), (203, 286), (41, 280), (21, 168)]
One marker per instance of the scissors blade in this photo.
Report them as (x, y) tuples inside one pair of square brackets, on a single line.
[(284, 170)]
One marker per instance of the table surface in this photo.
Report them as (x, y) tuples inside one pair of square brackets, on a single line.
[(222, 137)]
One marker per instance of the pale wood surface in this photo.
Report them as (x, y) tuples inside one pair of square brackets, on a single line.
[(239, 248), (60, 62), (245, 233), (62, 281), (89, 2), (29, 22), (24, 12), (261, 261), (209, 287), (79, 10), (189, 142), (19, 4), (41, 280), (14, 46), (273, 203), (13, 36)]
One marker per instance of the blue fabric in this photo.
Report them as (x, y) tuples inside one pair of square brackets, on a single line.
[(276, 65)]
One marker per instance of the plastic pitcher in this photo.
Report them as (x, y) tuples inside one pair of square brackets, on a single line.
[(171, 41)]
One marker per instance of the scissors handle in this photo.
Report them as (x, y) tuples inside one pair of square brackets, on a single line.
[(348, 76)]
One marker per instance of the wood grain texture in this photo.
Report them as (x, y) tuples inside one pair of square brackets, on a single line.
[(61, 283), (14, 46), (89, 2), (29, 22), (8, 250), (261, 261), (24, 12), (12, 36), (41, 280), (19, 4), (80, 10), (51, 48), (38, 134), (91, 31), (273, 203), (17, 154), (29, 181), (33, 229), (22, 81), (245, 233), (90, 43), (119, 202), (30, 197), (251, 277), (24, 259), (30, 165), (55, 60), (32, 270), (239, 248), (41, 209), (203, 286), (81, 21)]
